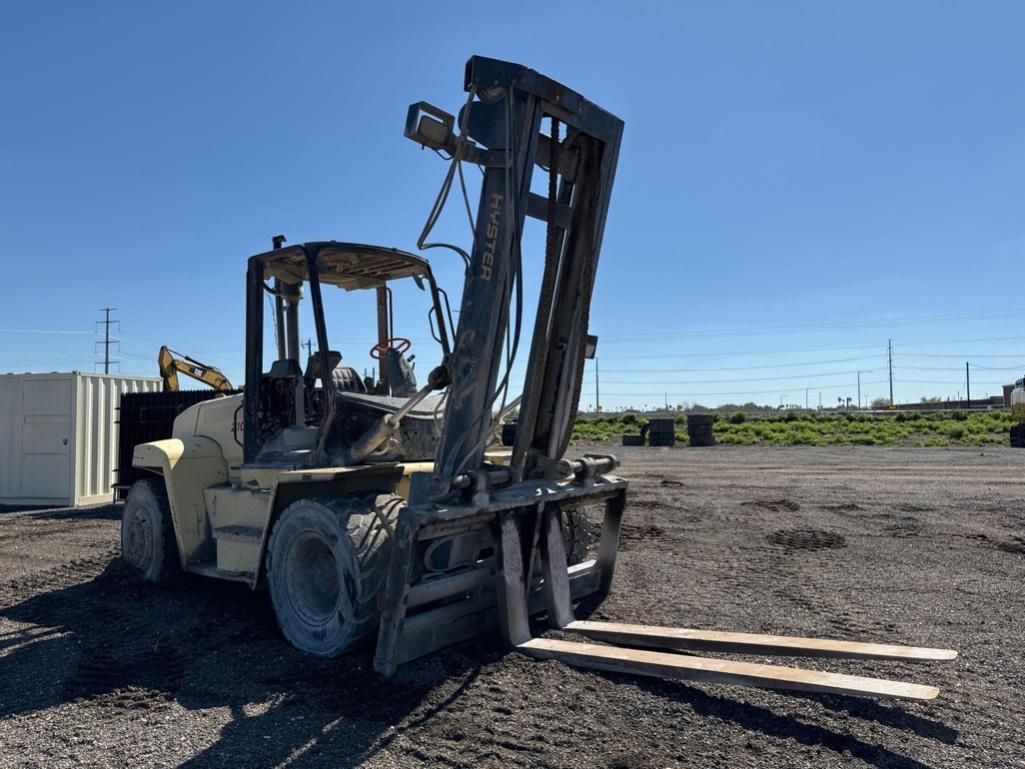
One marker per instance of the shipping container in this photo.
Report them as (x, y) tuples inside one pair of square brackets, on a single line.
[(58, 436)]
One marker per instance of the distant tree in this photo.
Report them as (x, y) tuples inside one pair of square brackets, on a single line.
[(880, 403), (931, 399)]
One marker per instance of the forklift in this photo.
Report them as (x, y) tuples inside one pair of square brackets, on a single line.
[(393, 517)]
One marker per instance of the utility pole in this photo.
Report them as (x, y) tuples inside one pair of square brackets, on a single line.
[(805, 398), (106, 335), (308, 344), (968, 386), (597, 391), (859, 386), (889, 357)]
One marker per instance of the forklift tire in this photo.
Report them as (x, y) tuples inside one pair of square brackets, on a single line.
[(148, 546), (327, 562), (576, 532)]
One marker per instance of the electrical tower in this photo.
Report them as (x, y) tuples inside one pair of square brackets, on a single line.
[(107, 322)]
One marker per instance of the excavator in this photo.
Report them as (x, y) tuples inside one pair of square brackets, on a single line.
[(393, 517), (172, 363)]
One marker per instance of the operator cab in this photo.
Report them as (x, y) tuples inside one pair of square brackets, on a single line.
[(310, 414)]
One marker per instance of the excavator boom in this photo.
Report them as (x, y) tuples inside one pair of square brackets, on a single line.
[(171, 364)]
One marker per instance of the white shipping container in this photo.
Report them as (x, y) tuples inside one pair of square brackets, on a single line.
[(58, 436)]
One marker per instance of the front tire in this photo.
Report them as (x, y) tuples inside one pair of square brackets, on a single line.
[(327, 561), (148, 546)]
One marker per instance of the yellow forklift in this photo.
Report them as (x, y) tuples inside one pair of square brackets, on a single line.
[(393, 517)]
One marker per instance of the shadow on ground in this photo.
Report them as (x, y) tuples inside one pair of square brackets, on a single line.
[(118, 644), (758, 718)]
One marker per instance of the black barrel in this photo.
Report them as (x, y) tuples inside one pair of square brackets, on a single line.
[(661, 432), (699, 429)]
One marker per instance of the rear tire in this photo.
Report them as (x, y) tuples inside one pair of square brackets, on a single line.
[(148, 546), (327, 562)]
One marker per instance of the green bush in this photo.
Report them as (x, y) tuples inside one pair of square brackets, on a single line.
[(937, 428)]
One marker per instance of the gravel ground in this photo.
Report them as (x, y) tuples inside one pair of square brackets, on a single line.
[(898, 545)]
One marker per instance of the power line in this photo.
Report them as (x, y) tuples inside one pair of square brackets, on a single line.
[(730, 381), (852, 324), (43, 331), (959, 341), (797, 351), (1019, 367), (736, 392), (741, 368), (945, 382), (974, 365), (962, 356)]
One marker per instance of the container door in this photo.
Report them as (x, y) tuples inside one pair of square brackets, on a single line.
[(46, 438), (10, 437)]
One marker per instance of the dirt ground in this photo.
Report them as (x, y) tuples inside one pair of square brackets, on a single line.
[(914, 546)]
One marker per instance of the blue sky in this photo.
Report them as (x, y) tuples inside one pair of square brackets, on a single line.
[(799, 181)]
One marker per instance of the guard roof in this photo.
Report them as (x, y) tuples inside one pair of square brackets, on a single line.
[(346, 265)]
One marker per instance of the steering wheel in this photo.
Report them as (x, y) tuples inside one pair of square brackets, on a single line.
[(398, 343)]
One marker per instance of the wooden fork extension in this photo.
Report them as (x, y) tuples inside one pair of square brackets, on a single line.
[(622, 658)]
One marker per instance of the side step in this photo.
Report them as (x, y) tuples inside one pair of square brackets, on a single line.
[(668, 665), (687, 640)]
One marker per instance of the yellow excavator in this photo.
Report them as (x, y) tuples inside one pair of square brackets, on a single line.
[(172, 363)]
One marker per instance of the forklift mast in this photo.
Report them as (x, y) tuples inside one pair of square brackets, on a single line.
[(500, 129)]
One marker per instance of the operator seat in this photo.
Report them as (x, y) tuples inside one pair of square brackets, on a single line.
[(401, 379), (347, 379)]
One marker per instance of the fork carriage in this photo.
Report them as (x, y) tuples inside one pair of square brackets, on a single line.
[(529, 574)]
